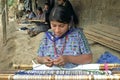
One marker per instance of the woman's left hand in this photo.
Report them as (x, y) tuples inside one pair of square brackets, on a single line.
[(60, 61)]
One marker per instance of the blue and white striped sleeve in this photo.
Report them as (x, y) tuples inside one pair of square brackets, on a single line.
[(83, 43)]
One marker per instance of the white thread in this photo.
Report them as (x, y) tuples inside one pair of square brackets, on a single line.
[(60, 77), (9, 77)]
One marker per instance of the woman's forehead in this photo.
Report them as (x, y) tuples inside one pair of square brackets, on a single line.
[(56, 22), (60, 0)]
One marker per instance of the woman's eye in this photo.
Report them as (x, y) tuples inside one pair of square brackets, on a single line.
[(53, 25), (61, 26)]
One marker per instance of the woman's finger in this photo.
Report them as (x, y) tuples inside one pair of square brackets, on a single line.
[(49, 64)]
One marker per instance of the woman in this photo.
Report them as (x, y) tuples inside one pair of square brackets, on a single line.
[(46, 12), (30, 15), (40, 26), (63, 45), (68, 5), (39, 14)]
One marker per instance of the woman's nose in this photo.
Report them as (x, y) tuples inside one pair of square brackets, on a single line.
[(57, 29)]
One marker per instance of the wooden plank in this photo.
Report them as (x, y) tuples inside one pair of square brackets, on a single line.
[(112, 41), (105, 40), (101, 42), (103, 33), (105, 43), (106, 28)]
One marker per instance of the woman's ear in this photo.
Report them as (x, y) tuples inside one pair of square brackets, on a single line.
[(69, 26)]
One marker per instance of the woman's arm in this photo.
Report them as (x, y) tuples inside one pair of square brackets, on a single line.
[(80, 59)]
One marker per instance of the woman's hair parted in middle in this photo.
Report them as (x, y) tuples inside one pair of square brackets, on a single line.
[(60, 14)]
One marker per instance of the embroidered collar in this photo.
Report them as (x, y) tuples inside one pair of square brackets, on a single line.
[(53, 38)]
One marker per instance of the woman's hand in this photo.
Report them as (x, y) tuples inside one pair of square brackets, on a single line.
[(48, 61), (60, 61), (45, 60)]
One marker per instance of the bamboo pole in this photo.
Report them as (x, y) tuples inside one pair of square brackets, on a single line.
[(23, 66), (101, 67)]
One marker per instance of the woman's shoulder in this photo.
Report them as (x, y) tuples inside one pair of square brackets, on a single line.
[(50, 30), (77, 30), (47, 32)]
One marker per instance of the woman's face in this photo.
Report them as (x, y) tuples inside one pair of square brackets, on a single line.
[(46, 7), (39, 12), (60, 1), (59, 28)]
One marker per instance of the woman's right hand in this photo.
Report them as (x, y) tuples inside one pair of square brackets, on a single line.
[(45, 60), (48, 61)]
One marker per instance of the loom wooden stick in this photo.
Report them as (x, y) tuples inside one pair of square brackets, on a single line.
[(116, 72), (22, 66), (101, 67), (8, 71), (6, 76), (110, 66)]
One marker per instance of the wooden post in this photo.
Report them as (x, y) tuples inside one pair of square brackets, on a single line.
[(33, 6), (6, 10), (4, 21), (0, 7)]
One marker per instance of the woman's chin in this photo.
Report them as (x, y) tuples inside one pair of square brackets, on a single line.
[(58, 35)]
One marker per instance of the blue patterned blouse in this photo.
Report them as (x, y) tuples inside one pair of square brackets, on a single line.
[(76, 44)]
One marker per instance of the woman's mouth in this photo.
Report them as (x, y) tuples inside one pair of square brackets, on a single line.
[(58, 34)]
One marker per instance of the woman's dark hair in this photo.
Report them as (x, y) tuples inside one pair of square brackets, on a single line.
[(47, 4), (64, 0), (39, 8), (27, 11), (60, 14)]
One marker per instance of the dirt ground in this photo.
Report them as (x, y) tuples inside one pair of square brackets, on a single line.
[(21, 49)]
